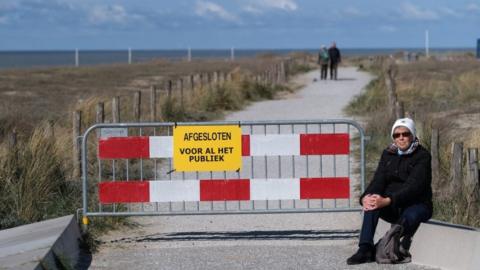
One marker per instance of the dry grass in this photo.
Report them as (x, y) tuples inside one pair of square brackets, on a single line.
[(36, 180), (30, 96)]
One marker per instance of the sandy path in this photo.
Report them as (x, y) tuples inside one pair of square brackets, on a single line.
[(299, 241), (317, 100)]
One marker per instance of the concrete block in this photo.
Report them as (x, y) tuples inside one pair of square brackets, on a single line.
[(443, 245), (42, 245)]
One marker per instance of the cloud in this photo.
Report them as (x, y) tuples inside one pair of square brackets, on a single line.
[(387, 28), (473, 7), (114, 14), (261, 6), (252, 9), (208, 9), (107, 14), (450, 12), (352, 11), (8, 5), (287, 5), (410, 11), (3, 20)]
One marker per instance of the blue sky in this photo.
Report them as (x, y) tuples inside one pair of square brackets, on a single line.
[(179, 24)]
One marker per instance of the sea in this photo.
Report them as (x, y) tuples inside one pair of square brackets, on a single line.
[(59, 58)]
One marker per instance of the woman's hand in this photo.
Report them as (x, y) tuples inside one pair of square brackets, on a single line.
[(374, 201), (368, 202)]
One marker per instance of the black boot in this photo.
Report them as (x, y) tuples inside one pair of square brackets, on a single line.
[(365, 254), (404, 249)]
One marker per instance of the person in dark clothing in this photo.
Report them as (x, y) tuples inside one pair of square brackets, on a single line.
[(335, 59), (400, 192), (323, 62)]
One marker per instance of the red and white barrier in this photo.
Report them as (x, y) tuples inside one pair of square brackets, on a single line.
[(224, 190), (252, 145)]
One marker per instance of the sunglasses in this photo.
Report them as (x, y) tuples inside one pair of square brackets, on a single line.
[(403, 134)]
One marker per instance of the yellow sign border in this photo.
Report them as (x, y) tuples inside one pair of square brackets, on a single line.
[(207, 148)]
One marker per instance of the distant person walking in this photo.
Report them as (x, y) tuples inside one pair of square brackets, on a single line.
[(323, 59), (335, 58)]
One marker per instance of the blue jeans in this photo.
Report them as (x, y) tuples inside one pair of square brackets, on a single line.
[(410, 218)]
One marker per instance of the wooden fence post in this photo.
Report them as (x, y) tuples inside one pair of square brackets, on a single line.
[(137, 96), (77, 126), (215, 77), (456, 166), (153, 103), (287, 69), (410, 114), (279, 74), (12, 139), (50, 129), (472, 179), (100, 115), (390, 72), (434, 145), (283, 77), (192, 82), (271, 74), (116, 110), (180, 87), (169, 89), (399, 111), (209, 79), (472, 184), (200, 80), (221, 77)]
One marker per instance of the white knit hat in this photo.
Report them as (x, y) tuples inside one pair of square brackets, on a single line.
[(405, 122)]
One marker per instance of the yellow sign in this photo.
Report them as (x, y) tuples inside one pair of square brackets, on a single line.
[(207, 148)]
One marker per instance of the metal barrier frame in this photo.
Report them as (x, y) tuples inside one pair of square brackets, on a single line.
[(91, 129)]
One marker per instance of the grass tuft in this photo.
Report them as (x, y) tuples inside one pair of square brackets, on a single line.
[(33, 186)]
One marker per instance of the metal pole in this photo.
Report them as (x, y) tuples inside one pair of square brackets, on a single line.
[(84, 180), (478, 48), (189, 57), (426, 44), (232, 54), (129, 56), (77, 62)]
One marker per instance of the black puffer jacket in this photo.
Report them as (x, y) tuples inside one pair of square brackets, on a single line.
[(405, 179), (334, 55)]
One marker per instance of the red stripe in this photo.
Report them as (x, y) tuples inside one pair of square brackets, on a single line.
[(324, 144), (225, 190), (124, 192), (245, 145), (325, 188), (124, 147)]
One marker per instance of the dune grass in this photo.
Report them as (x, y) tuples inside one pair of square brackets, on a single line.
[(33, 185)]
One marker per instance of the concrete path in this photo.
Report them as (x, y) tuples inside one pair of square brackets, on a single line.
[(281, 241)]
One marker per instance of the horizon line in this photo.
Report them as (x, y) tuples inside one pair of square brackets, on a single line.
[(228, 49)]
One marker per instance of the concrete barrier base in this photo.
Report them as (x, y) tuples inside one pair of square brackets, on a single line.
[(443, 245), (50, 244)]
